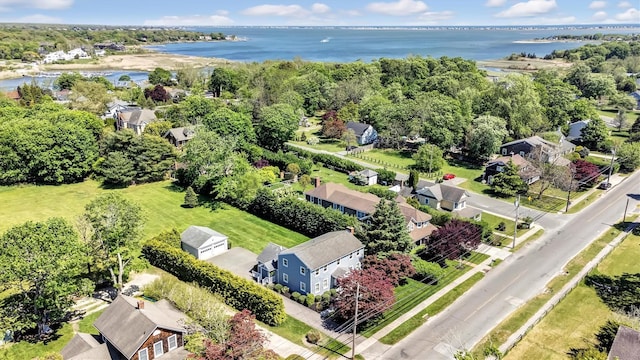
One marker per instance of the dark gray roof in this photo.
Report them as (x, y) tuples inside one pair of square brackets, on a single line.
[(126, 327), (270, 253), (181, 133), (195, 236), (79, 344), (325, 248), (368, 173), (358, 128), (575, 129), (101, 352), (467, 212), (626, 345)]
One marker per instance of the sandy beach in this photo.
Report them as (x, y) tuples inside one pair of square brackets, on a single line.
[(525, 65), (142, 62)]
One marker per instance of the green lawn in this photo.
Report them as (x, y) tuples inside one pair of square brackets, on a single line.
[(408, 326), (507, 327), (413, 293), (566, 327), (86, 324), (330, 145), (26, 350), (160, 202), (494, 220)]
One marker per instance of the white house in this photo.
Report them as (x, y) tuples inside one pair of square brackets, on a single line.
[(202, 242), (365, 177), (77, 53)]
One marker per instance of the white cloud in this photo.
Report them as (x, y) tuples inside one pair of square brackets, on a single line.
[(276, 10), (495, 3), (631, 15), (600, 15), (193, 20), (624, 4), (598, 5), (222, 13), (8, 5), (398, 8), (529, 8), (319, 8), (435, 16), (36, 19)]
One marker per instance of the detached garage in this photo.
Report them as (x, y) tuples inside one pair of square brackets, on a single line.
[(203, 243)]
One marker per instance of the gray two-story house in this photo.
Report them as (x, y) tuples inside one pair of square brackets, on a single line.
[(365, 133), (314, 266), (537, 148)]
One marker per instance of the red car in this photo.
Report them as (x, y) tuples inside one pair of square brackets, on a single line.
[(448, 176)]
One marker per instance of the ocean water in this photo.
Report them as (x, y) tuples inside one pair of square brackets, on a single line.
[(366, 44), (47, 79)]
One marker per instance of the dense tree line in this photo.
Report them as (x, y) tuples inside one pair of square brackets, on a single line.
[(23, 42)]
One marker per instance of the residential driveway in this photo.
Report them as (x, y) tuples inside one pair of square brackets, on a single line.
[(238, 260)]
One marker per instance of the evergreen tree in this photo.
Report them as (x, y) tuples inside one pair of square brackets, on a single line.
[(508, 182), (190, 198), (414, 177), (387, 230)]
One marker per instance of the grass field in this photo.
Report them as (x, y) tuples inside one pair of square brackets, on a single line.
[(566, 326), (161, 205), (507, 327)]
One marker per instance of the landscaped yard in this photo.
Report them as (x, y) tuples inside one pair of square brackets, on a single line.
[(414, 292), (566, 326), (161, 203), (330, 145)]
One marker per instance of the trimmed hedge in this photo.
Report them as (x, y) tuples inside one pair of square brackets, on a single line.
[(297, 215), (237, 292), (338, 163), (281, 160)]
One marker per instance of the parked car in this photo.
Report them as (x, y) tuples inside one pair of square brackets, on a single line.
[(605, 185), (448, 176)]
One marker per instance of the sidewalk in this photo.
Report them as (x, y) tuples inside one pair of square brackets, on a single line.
[(484, 266), (549, 305)]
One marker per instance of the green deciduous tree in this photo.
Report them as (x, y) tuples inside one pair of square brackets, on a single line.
[(508, 182), (160, 76), (277, 125), (485, 136), (594, 134), (223, 79), (116, 224), (42, 262), (429, 158), (515, 99), (387, 230), (629, 156), (227, 122)]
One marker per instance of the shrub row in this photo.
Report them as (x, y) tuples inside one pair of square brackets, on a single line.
[(237, 292), (281, 160), (338, 163), (301, 216)]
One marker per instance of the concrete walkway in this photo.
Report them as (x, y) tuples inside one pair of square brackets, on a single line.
[(482, 267)]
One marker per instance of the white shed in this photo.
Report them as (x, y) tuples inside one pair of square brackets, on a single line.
[(202, 242)]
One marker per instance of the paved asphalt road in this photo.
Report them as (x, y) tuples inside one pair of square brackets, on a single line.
[(517, 279)]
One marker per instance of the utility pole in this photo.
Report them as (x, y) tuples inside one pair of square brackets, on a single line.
[(515, 227), (355, 323), (624, 218), (613, 156), (430, 158), (573, 174)]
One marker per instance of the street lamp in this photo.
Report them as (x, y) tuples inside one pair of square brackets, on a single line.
[(613, 156)]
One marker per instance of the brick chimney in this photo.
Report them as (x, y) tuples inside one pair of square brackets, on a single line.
[(350, 230), (140, 304), (316, 181)]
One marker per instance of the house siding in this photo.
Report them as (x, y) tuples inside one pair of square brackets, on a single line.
[(164, 336), (310, 278)]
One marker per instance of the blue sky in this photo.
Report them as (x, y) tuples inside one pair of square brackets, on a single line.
[(327, 12)]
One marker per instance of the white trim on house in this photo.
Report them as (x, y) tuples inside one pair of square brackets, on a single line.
[(173, 337), (157, 353), (143, 354)]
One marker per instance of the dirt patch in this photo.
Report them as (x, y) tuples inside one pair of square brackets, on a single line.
[(526, 65)]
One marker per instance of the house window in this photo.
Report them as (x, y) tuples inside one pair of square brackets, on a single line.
[(325, 283), (302, 270), (500, 168), (157, 349), (303, 286), (317, 272), (419, 225), (285, 278), (143, 354), (317, 288), (285, 262), (325, 268), (522, 153), (351, 256), (455, 205), (426, 201), (338, 262), (504, 151), (173, 342)]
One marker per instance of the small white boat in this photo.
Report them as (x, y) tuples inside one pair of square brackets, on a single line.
[(325, 40)]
